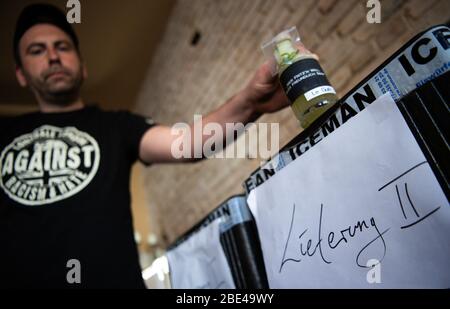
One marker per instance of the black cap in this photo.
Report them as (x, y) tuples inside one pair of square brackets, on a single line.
[(40, 13)]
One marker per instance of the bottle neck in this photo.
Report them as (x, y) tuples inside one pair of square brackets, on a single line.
[(284, 65)]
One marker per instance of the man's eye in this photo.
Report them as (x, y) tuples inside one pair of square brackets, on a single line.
[(36, 51), (64, 47)]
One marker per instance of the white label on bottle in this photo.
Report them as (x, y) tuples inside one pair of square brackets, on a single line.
[(318, 91)]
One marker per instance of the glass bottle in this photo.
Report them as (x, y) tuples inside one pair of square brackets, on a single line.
[(301, 76)]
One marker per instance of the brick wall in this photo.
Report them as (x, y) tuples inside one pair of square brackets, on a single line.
[(184, 79)]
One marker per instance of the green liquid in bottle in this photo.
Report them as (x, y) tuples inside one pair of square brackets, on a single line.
[(306, 108), (308, 111)]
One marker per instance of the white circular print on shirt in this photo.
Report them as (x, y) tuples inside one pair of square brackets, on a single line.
[(48, 165)]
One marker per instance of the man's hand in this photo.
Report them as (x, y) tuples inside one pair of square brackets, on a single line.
[(264, 91)]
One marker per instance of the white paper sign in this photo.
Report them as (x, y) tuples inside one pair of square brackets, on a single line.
[(362, 209), (199, 262)]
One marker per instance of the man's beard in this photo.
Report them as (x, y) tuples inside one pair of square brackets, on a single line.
[(54, 90)]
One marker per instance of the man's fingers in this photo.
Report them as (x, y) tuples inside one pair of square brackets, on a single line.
[(267, 72), (271, 65)]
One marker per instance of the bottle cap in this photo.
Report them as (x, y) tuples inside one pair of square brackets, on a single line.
[(283, 49)]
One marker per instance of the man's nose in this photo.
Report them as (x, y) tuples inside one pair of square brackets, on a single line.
[(53, 55)]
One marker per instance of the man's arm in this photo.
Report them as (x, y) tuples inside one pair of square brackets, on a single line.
[(263, 94)]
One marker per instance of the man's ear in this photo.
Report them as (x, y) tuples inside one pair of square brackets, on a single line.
[(20, 76), (85, 72)]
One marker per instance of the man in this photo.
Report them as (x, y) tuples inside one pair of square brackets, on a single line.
[(65, 219)]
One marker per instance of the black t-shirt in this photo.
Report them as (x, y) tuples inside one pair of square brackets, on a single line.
[(64, 199)]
